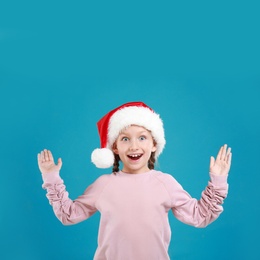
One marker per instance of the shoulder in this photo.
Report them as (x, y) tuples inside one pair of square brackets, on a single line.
[(101, 181), (167, 179), (104, 178), (163, 176)]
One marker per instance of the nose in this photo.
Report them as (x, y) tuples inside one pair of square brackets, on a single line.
[(133, 145)]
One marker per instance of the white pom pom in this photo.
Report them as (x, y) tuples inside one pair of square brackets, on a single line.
[(102, 158)]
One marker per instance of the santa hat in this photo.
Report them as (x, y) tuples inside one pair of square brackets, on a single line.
[(109, 127)]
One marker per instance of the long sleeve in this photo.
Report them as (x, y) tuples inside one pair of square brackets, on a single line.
[(202, 212), (134, 210), (66, 210)]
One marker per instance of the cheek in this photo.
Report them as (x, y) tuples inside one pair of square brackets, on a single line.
[(119, 147)]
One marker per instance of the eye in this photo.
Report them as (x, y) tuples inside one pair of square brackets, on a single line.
[(142, 138), (124, 139)]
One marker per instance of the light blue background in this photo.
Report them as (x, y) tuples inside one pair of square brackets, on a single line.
[(64, 64)]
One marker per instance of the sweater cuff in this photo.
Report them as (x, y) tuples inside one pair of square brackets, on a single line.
[(218, 180), (53, 177)]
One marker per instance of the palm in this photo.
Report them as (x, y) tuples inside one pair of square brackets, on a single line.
[(46, 162), (221, 165)]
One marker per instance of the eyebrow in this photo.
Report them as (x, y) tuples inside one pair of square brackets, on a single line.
[(140, 132)]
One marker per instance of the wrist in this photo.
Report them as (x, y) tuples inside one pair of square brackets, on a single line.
[(50, 176), (218, 180)]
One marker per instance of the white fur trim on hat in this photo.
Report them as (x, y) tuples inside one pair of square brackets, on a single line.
[(140, 116)]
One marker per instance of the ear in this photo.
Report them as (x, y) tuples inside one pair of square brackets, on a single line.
[(154, 148), (114, 148)]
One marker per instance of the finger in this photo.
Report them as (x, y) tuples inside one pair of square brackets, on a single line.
[(39, 158), (46, 155), (226, 155), (228, 151), (223, 152), (212, 162), (59, 162), (219, 153), (50, 155), (42, 156), (229, 158)]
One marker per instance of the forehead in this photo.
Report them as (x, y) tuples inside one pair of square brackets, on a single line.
[(134, 129)]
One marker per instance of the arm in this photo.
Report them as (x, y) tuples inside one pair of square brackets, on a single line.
[(67, 211), (200, 213)]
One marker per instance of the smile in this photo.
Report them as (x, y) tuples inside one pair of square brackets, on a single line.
[(134, 156)]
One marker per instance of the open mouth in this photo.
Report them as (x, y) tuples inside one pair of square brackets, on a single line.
[(135, 157)]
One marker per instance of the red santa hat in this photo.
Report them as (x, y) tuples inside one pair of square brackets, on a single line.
[(109, 127)]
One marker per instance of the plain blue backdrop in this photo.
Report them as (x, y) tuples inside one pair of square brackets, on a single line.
[(64, 64)]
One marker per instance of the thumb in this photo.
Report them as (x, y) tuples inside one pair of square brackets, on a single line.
[(59, 162), (212, 161)]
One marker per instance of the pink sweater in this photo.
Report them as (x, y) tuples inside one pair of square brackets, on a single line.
[(134, 211)]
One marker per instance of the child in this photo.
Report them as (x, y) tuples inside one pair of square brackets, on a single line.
[(134, 202)]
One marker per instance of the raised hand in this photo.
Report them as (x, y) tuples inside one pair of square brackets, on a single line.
[(221, 165), (46, 162)]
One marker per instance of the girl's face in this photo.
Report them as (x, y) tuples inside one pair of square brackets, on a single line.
[(134, 146)]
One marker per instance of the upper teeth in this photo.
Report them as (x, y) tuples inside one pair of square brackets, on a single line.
[(134, 155)]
